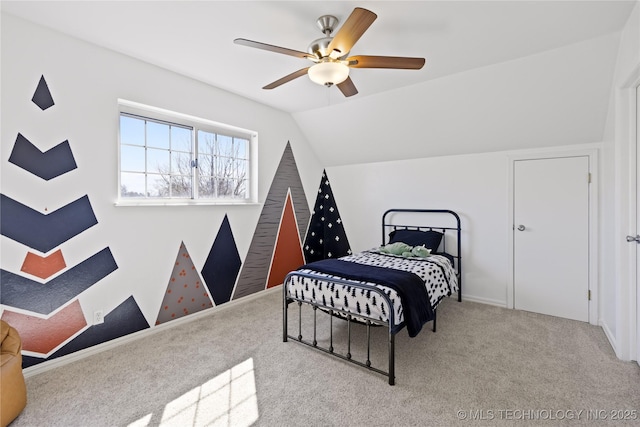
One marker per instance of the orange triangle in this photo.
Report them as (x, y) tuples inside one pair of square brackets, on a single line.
[(287, 254)]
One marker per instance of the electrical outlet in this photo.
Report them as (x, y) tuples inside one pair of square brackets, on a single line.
[(98, 317)]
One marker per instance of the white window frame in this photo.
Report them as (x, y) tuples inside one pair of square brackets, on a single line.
[(195, 123)]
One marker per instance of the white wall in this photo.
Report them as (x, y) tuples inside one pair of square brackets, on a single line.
[(474, 186), (85, 82)]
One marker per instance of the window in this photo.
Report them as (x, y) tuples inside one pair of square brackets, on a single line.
[(171, 158)]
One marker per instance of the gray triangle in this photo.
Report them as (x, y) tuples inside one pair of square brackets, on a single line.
[(255, 269)]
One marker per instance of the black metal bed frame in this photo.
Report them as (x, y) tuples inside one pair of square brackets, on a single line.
[(392, 326)]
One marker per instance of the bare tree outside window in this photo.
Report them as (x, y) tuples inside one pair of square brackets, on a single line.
[(165, 160), (222, 164)]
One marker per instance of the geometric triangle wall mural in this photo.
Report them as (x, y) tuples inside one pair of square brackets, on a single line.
[(326, 237), (44, 164), (287, 254), (27, 294), (125, 319), (43, 335), (43, 267), (185, 293), (45, 231), (50, 315), (222, 266), (255, 269), (42, 97)]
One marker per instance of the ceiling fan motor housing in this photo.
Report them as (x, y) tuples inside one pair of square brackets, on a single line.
[(319, 47)]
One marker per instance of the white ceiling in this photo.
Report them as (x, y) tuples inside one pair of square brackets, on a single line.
[(195, 38), (499, 75)]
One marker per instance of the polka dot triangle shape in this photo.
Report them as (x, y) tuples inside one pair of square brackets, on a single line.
[(326, 237), (186, 293)]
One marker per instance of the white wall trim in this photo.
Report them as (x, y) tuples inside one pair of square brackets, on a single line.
[(483, 300), (592, 152), (128, 339), (610, 336), (626, 288)]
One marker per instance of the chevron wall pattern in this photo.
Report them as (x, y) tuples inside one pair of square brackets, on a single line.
[(41, 300)]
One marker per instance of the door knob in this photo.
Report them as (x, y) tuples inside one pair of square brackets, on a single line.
[(521, 227), (633, 239)]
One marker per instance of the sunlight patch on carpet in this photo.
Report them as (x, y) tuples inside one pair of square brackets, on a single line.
[(228, 399)]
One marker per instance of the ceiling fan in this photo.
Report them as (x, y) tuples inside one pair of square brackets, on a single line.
[(329, 54)]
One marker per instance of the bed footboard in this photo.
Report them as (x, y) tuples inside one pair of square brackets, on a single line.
[(390, 325)]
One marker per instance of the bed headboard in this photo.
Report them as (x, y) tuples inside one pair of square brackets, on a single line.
[(444, 221)]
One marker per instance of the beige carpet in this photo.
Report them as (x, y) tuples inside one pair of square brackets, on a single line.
[(484, 366)]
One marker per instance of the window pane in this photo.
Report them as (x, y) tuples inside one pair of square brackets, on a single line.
[(205, 165), (158, 161), (180, 139), (225, 145), (206, 187), (158, 185), (132, 158), (240, 169), (240, 190), (181, 186), (241, 146), (131, 130), (132, 185), (180, 163), (221, 165), (157, 135), (225, 187), (206, 141)]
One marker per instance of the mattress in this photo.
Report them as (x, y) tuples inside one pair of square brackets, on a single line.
[(436, 271)]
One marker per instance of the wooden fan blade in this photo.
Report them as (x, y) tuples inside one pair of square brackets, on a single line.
[(351, 31), (287, 78), (366, 61), (347, 87), (272, 48)]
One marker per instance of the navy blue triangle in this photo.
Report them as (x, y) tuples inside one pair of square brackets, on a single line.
[(326, 237), (42, 97), (222, 266)]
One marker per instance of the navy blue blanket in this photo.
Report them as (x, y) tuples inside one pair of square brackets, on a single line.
[(409, 286)]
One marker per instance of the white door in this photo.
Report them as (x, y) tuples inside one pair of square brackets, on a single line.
[(637, 224), (551, 236)]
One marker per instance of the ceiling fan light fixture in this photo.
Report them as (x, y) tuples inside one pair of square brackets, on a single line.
[(328, 73)]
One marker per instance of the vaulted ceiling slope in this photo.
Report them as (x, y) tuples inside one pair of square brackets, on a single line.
[(499, 74)]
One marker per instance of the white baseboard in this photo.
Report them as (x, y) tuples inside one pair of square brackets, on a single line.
[(81, 354), (483, 300), (609, 335)]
